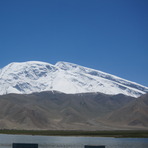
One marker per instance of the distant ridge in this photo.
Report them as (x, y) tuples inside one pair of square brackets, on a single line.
[(36, 76), (53, 110)]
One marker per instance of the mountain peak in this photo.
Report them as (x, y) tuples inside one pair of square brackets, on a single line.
[(66, 65), (35, 76)]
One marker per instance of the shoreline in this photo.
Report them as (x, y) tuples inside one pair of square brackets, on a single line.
[(110, 133)]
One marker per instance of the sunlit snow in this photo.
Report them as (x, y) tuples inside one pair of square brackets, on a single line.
[(34, 76)]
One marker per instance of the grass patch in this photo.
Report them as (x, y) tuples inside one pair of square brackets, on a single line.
[(116, 134)]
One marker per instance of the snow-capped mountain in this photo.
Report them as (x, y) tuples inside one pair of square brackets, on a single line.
[(34, 76)]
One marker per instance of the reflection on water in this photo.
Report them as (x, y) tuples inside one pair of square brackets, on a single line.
[(72, 142)]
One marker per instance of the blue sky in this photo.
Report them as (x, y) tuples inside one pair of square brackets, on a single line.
[(108, 35)]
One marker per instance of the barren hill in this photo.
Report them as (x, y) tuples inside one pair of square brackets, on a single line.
[(87, 111)]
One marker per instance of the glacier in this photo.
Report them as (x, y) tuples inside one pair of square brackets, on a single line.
[(35, 76)]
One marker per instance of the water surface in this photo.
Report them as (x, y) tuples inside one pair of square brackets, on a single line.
[(72, 141)]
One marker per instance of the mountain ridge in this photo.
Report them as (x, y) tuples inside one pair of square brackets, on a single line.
[(36, 76), (89, 111)]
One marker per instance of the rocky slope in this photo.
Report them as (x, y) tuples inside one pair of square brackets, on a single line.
[(59, 111)]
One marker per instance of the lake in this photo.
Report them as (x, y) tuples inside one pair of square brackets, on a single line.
[(72, 141)]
